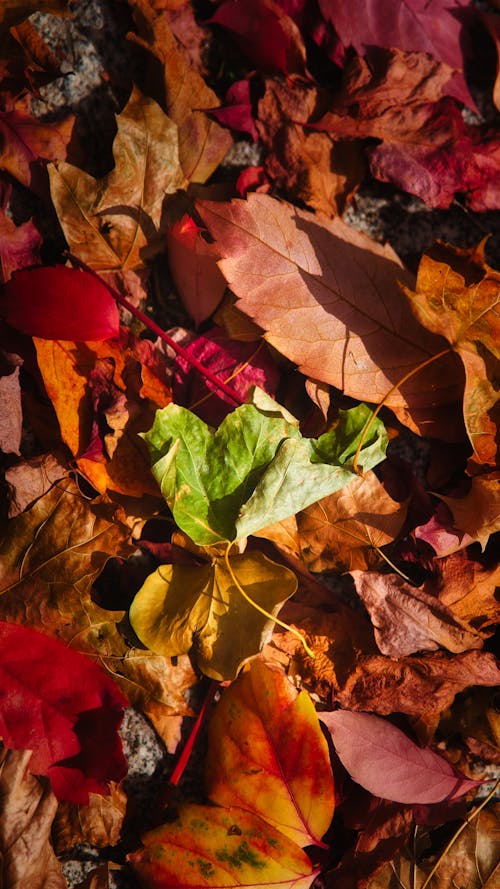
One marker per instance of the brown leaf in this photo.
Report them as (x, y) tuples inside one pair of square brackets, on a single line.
[(14, 11), (113, 223), (418, 686), (24, 140), (28, 807), (478, 513), (468, 589), (343, 531), (11, 412), (98, 824), (462, 306), (49, 558), (31, 479), (346, 324), (407, 619), (309, 165), (185, 95), (19, 246)]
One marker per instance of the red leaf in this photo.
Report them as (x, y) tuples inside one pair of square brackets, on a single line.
[(193, 265), (386, 762), (59, 303), (62, 706), (19, 245), (237, 112)]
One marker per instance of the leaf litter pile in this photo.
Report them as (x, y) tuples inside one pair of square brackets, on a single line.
[(249, 459)]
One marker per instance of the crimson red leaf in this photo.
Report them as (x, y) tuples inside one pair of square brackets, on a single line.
[(390, 765), (237, 110), (61, 706), (59, 303)]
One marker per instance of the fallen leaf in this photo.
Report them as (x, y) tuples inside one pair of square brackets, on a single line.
[(25, 141), (59, 303), (434, 28), (193, 265), (465, 313), (440, 533), (407, 619), (28, 809), (492, 23), (31, 479), (113, 224), (97, 878), (478, 513), (418, 686), (210, 846), (61, 706), (11, 412), (91, 382), (14, 11), (264, 32), (243, 365), (385, 761), (344, 530), (202, 142), (19, 246), (182, 607), (237, 114), (472, 860), (270, 471), (347, 324), (267, 755), (98, 823), (468, 589)]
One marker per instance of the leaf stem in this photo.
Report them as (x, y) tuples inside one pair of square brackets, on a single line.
[(155, 328), (393, 566), (457, 833), (263, 611), (387, 395), (183, 760)]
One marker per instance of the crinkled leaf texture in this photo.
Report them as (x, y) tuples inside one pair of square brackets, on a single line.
[(389, 764), (267, 754), (181, 606), (211, 846), (63, 707), (256, 469), (59, 303)]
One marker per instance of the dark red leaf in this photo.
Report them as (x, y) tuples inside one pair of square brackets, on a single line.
[(59, 704), (59, 303), (237, 110)]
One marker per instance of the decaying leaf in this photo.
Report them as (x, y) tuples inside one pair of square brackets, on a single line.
[(182, 607), (19, 246), (211, 846), (329, 299), (469, 589), (344, 530), (407, 619), (269, 470), (464, 309), (31, 479), (385, 761), (28, 809), (268, 756), (99, 823), (113, 224)]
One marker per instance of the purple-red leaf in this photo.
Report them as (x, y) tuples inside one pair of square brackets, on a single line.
[(390, 765), (61, 706), (59, 303)]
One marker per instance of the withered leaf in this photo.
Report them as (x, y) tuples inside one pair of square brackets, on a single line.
[(99, 823), (113, 224), (19, 246), (478, 513), (343, 531), (407, 619), (28, 810), (25, 140), (468, 589), (328, 298), (202, 142)]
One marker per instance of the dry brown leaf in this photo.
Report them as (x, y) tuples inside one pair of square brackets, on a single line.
[(31, 479), (344, 530), (25, 140), (418, 686), (462, 306), (478, 513), (202, 142), (113, 224), (469, 590), (329, 299), (407, 619), (98, 824), (27, 807), (11, 412)]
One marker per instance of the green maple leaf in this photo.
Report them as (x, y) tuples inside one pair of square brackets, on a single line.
[(255, 469)]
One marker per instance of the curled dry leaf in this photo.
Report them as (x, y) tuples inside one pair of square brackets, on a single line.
[(182, 607), (478, 513), (407, 619), (344, 530), (207, 846), (98, 823), (267, 755), (347, 323), (469, 590), (186, 96), (28, 810), (113, 224), (385, 761)]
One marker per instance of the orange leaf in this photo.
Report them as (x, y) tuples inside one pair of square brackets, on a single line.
[(267, 754)]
